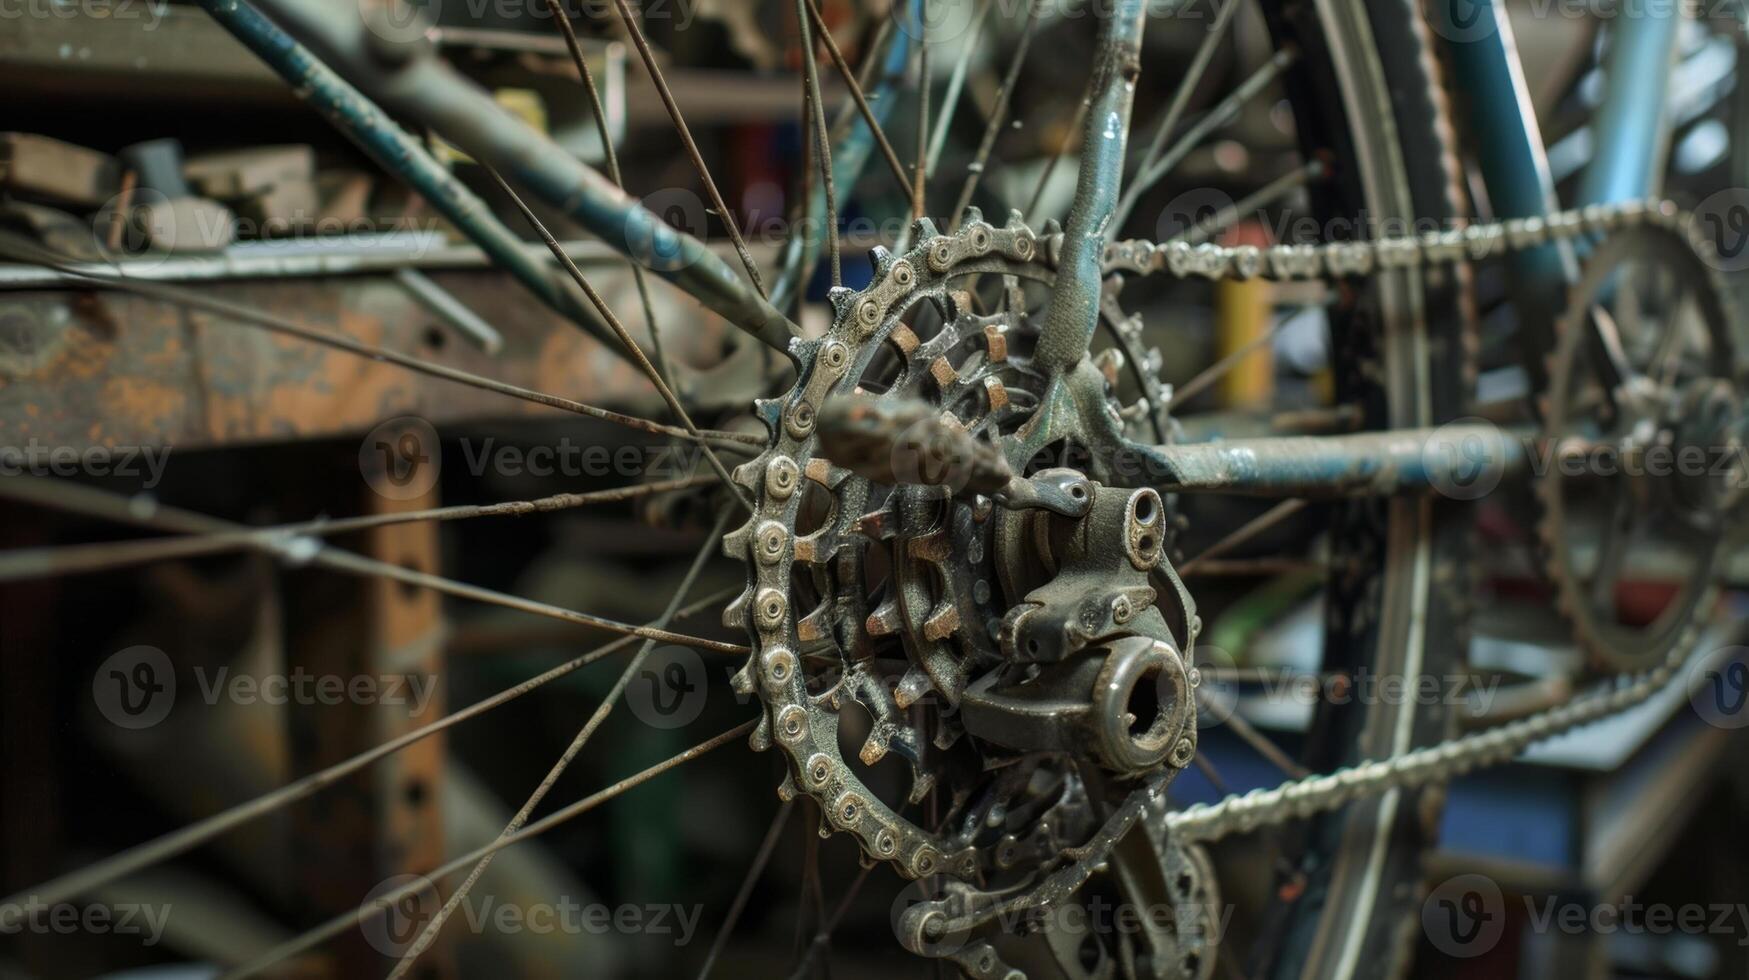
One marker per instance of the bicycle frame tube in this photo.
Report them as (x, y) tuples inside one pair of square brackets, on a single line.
[(1074, 306), (408, 77), (1630, 133), (1515, 169)]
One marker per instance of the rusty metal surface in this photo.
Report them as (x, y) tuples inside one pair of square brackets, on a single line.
[(117, 370)]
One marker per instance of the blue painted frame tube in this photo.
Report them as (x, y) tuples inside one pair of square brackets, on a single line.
[(1628, 135), (1073, 314), (392, 149)]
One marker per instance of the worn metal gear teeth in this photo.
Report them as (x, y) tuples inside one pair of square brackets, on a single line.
[(1570, 595), (803, 725)]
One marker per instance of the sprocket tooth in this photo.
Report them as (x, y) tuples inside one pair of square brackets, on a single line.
[(874, 749), (786, 790), (1016, 220), (747, 474), (735, 613), (912, 687), (923, 229), (814, 631), (947, 732), (760, 738), (881, 258), (770, 410), (1053, 227), (974, 215), (921, 783), (943, 622), (841, 298), (742, 680), (879, 525), (885, 620), (737, 543)]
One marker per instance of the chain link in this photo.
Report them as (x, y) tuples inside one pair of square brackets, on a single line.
[(1340, 260)]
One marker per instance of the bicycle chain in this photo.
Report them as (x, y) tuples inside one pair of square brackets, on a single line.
[(1302, 798), (1341, 260), (1434, 764), (859, 312)]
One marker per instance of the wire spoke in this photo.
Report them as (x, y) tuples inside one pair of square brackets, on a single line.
[(760, 859), (95, 876), (630, 18), (956, 83), (1199, 63), (1263, 197), (613, 173), (249, 316), (814, 113), (433, 928), (144, 512), (625, 337), (856, 93), (998, 114), (370, 910), (920, 172), (27, 563), (1221, 368), (1075, 127), (1153, 172), (1270, 518)]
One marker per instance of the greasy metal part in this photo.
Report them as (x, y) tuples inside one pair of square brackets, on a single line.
[(896, 441), (408, 78), (1364, 464), (1175, 881), (1073, 314)]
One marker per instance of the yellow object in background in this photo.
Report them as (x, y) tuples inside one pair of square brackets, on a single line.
[(1243, 313), (523, 103)]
